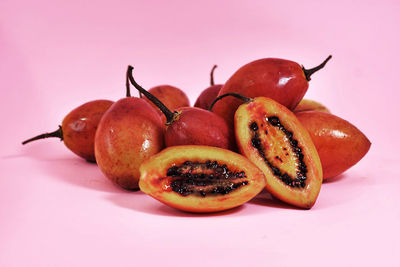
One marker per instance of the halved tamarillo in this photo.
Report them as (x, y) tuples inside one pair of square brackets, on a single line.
[(200, 178), (191, 125), (339, 143), (78, 128), (273, 138)]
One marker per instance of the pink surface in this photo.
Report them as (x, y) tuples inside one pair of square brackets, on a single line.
[(58, 210)]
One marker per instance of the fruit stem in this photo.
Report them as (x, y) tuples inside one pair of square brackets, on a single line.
[(212, 75), (239, 96), (57, 133), (309, 72), (168, 113), (128, 86)]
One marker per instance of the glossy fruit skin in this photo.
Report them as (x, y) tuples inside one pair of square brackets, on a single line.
[(171, 96), (207, 96), (282, 80), (279, 150), (129, 132), (310, 105), (80, 125), (155, 182), (339, 143), (195, 126)]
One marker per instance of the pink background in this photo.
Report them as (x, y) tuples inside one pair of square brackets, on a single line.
[(58, 210)]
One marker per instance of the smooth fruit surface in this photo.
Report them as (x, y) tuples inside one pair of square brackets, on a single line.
[(339, 143), (171, 96), (190, 125), (195, 126), (310, 105), (129, 132), (271, 136), (78, 128), (200, 178), (80, 125), (279, 79), (207, 96)]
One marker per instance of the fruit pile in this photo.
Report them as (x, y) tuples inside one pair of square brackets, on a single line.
[(252, 133)]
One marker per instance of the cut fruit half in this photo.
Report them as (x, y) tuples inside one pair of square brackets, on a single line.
[(272, 138), (200, 178)]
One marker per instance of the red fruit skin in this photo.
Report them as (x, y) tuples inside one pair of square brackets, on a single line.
[(207, 96), (196, 126), (129, 132), (172, 97), (281, 80), (80, 125), (339, 143)]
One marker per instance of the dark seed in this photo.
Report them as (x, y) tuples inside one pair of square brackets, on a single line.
[(254, 126), (173, 171), (255, 142), (273, 120)]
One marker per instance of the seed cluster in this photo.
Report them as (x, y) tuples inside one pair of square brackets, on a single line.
[(207, 178), (301, 175)]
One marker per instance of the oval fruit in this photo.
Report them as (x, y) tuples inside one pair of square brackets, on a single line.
[(282, 80), (200, 178), (190, 125), (339, 143), (171, 96), (272, 138), (79, 127), (130, 132), (208, 95), (196, 126)]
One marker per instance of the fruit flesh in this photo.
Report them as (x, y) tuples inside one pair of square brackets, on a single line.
[(200, 178), (272, 138), (130, 132), (340, 144)]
